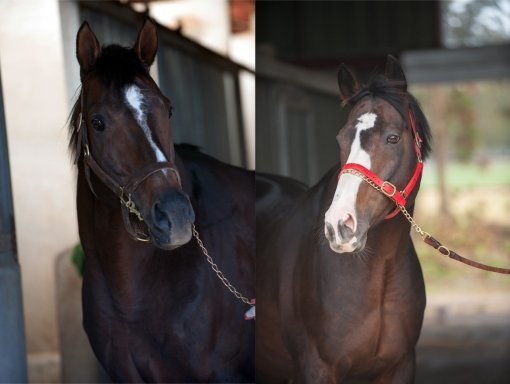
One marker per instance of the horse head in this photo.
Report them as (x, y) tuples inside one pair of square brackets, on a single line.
[(386, 136), (123, 137)]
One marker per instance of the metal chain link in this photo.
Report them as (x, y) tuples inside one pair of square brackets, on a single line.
[(416, 227), (405, 212), (364, 177), (215, 268)]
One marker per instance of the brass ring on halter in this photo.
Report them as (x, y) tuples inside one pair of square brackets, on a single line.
[(388, 193), (442, 248)]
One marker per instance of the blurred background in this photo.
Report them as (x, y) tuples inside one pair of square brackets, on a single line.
[(205, 65), (456, 55)]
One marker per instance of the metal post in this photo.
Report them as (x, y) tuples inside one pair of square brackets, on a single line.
[(13, 363)]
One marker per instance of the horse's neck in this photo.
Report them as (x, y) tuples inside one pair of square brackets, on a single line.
[(389, 238)]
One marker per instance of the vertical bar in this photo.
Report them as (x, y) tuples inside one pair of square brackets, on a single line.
[(13, 364), (234, 119)]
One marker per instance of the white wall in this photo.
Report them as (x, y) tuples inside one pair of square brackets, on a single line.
[(204, 21), (36, 109)]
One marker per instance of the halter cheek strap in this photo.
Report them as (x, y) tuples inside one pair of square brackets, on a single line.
[(137, 230), (386, 187)]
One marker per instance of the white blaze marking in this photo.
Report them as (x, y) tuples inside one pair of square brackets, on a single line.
[(344, 200), (134, 100)]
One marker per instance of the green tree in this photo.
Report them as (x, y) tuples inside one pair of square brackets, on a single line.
[(461, 115)]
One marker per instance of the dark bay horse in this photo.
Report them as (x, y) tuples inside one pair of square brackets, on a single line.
[(153, 309), (340, 288)]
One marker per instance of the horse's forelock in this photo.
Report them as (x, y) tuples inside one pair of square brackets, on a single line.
[(116, 67), (402, 101)]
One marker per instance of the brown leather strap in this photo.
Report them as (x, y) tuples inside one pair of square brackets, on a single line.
[(91, 164), (453, 255), (147, 171), (131, 215)]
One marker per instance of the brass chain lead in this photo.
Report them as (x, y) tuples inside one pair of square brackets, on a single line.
[(218, 272), (415, 225), (130, 205)]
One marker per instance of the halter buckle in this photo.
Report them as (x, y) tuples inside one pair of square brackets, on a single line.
[(389, 194), (86, 150)]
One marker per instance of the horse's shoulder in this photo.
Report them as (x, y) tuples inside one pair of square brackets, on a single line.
[(206, 165), (218, 187)]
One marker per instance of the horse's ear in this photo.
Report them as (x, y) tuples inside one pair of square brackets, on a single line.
[(394, 72), (146, 44), (87, 48), (347, 83)]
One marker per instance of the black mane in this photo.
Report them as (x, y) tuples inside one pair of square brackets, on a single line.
[(116, 67), (402, 101)]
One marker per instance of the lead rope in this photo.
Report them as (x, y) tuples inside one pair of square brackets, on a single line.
[(250, 314), (426, 237)]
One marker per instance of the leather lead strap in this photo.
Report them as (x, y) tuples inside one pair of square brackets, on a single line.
[(434, 243)]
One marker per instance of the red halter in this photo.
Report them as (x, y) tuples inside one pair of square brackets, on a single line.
[(388, 188), (399, 198)]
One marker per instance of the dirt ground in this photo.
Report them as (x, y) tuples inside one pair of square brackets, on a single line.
[(465, 339)]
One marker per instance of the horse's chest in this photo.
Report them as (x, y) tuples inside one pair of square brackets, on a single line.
[(186, 342), (370, 337)]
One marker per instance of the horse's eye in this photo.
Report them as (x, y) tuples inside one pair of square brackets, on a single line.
[(97, 124), (393, 139)]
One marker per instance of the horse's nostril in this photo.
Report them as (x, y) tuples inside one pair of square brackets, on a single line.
[(345, 229), (330, 232), (161, 217), (349, 221)]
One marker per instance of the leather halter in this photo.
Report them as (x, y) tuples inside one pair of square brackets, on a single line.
[(137, 229), (389, 189)]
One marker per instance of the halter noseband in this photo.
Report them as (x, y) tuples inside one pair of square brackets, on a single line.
[(386, 187), (123, 192)]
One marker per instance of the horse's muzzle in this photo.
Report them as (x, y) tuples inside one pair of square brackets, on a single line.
[(343, 233), (171, 220)]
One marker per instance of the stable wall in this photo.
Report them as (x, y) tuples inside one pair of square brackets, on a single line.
[(36, 110)]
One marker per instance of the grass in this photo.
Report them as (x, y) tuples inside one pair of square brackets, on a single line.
[(473, 231), (472, 238), (458, 175), (78, 258)]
